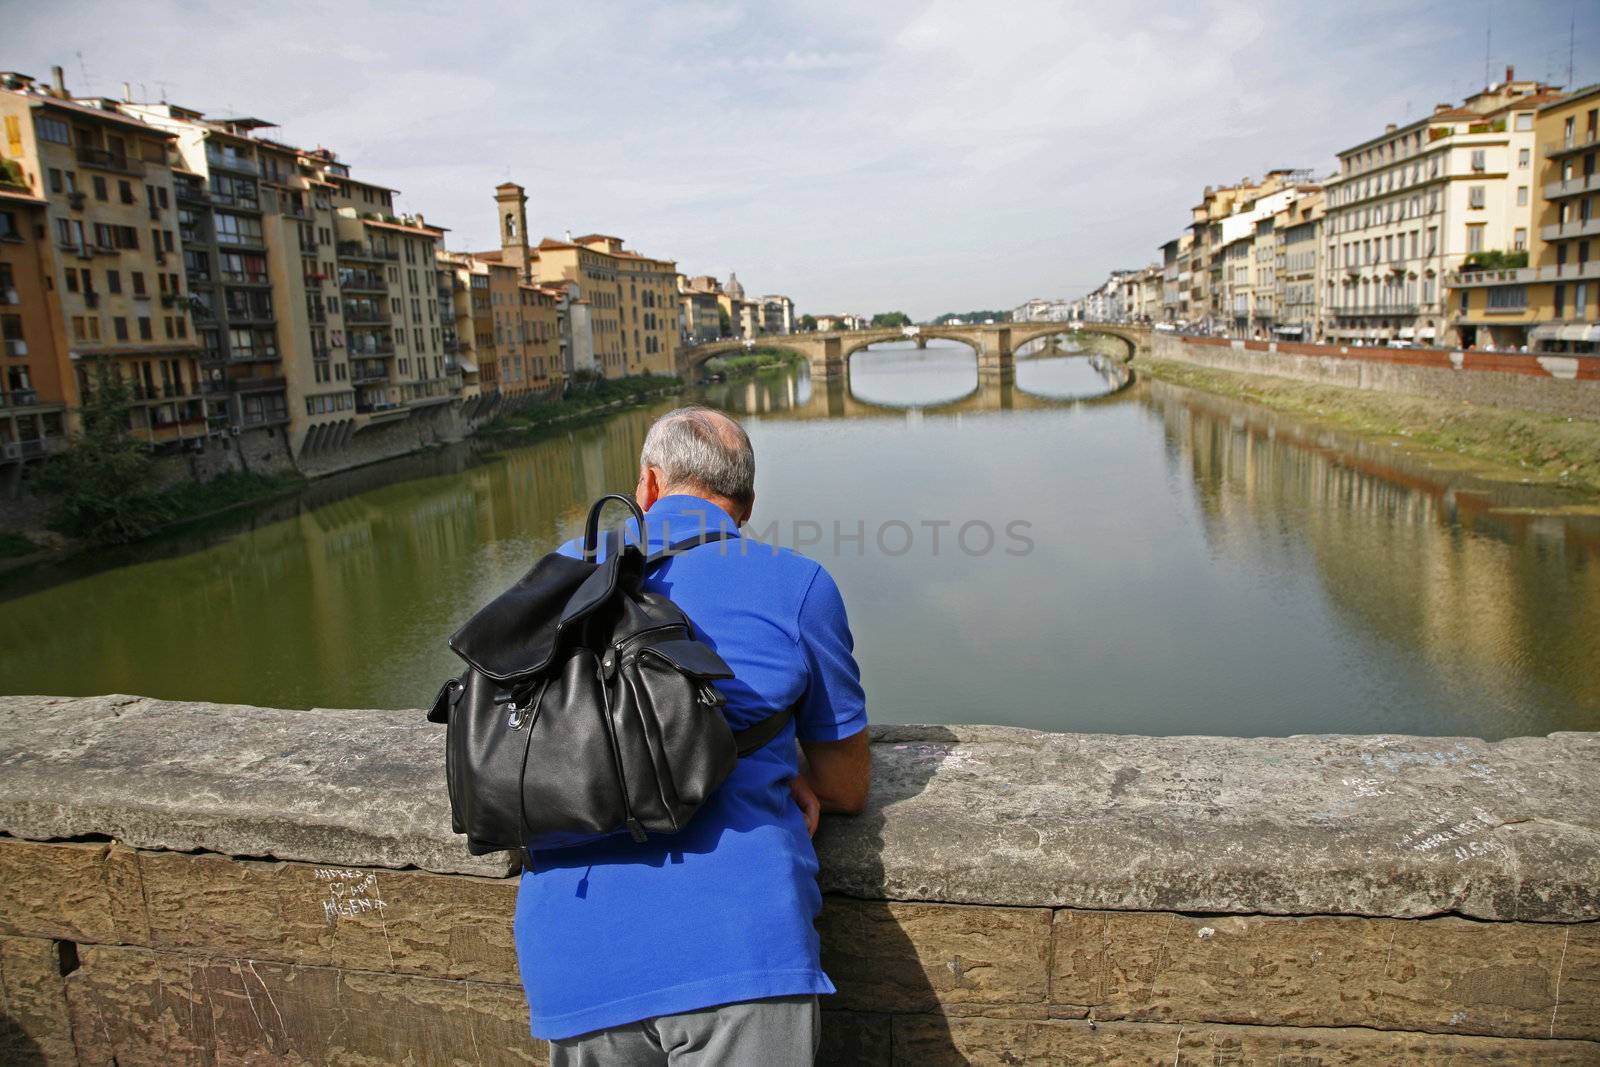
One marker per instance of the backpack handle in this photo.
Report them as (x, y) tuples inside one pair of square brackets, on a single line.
[(591, 528)]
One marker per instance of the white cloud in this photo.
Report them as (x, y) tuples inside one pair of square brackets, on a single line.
[(925, 156)]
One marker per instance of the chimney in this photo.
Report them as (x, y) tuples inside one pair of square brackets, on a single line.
[(1511, 74), (1390, 128), (60, 82), (1441, 107), (127, 93)]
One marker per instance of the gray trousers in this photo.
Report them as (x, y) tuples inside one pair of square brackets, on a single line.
[(776, 1032)]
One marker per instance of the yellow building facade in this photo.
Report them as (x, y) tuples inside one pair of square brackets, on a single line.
[(1549, 305)]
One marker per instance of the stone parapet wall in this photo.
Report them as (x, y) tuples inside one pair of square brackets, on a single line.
[(195, 883), (1554, 384)]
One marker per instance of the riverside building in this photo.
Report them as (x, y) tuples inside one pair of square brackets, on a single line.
[(1547, 303), (36, 384), (108, 266), (1410, 206)]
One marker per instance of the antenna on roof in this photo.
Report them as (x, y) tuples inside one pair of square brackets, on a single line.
[(1572, 32), (1487, 15), (83, 71)]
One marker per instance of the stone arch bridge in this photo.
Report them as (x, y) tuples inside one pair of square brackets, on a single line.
[(996, 345)]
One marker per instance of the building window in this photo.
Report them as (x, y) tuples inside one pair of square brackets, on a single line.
[(1476, 196), (1519, 241), (1475, 238), (50, 129), (1522, 196), (1524, 120), (1522, 158), (1507, 297), (1560, 297)]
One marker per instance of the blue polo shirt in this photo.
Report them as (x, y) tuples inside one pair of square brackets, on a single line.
[(613, 932)]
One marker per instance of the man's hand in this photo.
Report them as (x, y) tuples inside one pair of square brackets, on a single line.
[(839, 772), (810, 806)]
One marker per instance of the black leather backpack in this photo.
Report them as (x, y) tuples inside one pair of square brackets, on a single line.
[(586, 708)]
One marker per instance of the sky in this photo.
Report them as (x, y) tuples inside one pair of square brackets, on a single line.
[(925, 157)]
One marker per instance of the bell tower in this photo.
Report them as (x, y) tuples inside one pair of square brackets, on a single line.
[(511, 205)]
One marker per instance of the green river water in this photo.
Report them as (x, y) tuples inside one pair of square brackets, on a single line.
[(1156, 561)]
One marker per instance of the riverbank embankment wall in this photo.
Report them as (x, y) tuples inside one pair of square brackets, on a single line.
[(1553, 384), (200, 883)]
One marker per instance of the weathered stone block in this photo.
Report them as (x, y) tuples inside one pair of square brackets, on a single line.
[(1440, 975), (133, 1007), (55, 891), (34, 1028), (408, 922), (915, 957), (931, 1041)]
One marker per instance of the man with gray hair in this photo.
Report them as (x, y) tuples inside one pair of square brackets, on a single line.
[(701, 948)]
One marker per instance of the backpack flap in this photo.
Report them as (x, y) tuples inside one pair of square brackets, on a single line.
[(693, 658), (516, 633)]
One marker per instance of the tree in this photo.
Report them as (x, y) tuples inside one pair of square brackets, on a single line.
[(889, 319), (104, 481), (808, 323)]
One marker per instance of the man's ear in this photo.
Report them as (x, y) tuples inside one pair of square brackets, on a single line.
[(649, 487), (748, 510)]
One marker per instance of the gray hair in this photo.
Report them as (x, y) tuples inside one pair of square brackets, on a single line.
[(698, 448)]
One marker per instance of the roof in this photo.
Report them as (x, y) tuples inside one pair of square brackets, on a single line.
[(597, 237), (100, 113), (407, 227), (1586, 93), (550, 243)]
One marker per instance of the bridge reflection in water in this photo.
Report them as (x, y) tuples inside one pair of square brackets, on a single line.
[(1197, 565)]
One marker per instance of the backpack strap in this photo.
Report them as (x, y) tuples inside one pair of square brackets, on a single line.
[(753, 737), (705, 537), (757, 734)]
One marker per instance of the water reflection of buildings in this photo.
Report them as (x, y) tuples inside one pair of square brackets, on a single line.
[(1493, 600)]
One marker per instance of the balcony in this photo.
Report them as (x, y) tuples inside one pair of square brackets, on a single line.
[(377, 407), (1572, 187), (1580, 141), (248, 316), (231, 161), (1571, 272), (357, 250), (265, 418), (100, 159), (28, 448), (365, 351), (369, 375), (215, 387), (1471, 279), (191, 194), (239, 277), (363, 283), (19, 398), (253, 354), (238, 203), (365, 316), (1373, 312), (259, 384), (1570, 228)]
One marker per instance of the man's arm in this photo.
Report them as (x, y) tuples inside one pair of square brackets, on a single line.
[(839, 772)]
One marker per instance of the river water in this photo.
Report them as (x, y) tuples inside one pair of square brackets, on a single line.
[(1028, 552)]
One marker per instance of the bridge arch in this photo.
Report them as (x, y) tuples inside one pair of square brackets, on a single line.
[(692, 360)]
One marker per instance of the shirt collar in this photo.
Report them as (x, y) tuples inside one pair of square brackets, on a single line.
[(681, 516)]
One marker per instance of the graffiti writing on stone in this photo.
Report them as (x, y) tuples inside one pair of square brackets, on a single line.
[(350, 893)]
